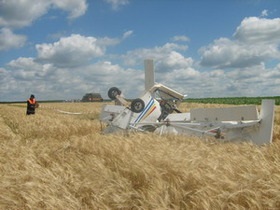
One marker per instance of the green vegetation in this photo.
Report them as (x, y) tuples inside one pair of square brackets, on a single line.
[(234, 100)]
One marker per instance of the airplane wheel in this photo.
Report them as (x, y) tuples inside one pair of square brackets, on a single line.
[(149, 128), (113, 92), (137, 105)]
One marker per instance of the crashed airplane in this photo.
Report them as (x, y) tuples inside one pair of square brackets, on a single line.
[(157, 110)]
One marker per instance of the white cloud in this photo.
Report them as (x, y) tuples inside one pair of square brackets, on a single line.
[(10, 40), (180, 38), (251, 81), (74, 50), (74, 65), (157, 53), (27, 69), (256, 40), (106, 75), (127, 34), (62, 71), (254, 30), (264, 13), (226, 53), (76, 8), (25, 76), (17, 14), (174, 61), (116, 4), (106, 41)]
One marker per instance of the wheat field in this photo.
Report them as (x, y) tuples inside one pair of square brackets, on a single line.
[(58, 161)]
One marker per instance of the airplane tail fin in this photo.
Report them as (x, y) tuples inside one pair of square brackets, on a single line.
[(264, 134), (149, 74)]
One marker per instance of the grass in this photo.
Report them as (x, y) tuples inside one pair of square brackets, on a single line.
[(57, 161), (234, 100)]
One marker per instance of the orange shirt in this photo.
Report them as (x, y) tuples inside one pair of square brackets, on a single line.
[(32, 101)]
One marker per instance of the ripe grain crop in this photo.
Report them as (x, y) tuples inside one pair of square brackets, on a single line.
[(59, 161)]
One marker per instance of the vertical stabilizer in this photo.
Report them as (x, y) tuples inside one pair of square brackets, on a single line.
[(149, 74), (265, 132)]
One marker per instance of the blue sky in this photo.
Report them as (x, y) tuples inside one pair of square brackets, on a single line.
[(63, 49)]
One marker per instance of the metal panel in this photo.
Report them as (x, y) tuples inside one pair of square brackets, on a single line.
[(149, 74), (109, 112), (179, 117), (264, 133), (240, 113)]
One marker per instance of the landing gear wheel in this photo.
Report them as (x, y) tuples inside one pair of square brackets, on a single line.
[(113, 92), (137, 105)]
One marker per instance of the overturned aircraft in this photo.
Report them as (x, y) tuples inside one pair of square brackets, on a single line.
[(157, 110)]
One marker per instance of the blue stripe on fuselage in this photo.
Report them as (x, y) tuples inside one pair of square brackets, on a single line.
[(151, 102)]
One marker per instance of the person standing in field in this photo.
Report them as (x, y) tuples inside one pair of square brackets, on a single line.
[(31, 105)]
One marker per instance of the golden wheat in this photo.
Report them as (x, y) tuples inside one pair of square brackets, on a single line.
[(57, 161)]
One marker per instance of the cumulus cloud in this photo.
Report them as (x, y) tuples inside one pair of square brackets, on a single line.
[(24, 76), (106, 75), (74, 50), (174, 60), (17, 14), (157, 53), (28, 69), (251, 80), (10, 40), (12, 15), (254, 30), (256, 40), (77, 64), (76, 8), (63, 70), (227, 53)]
